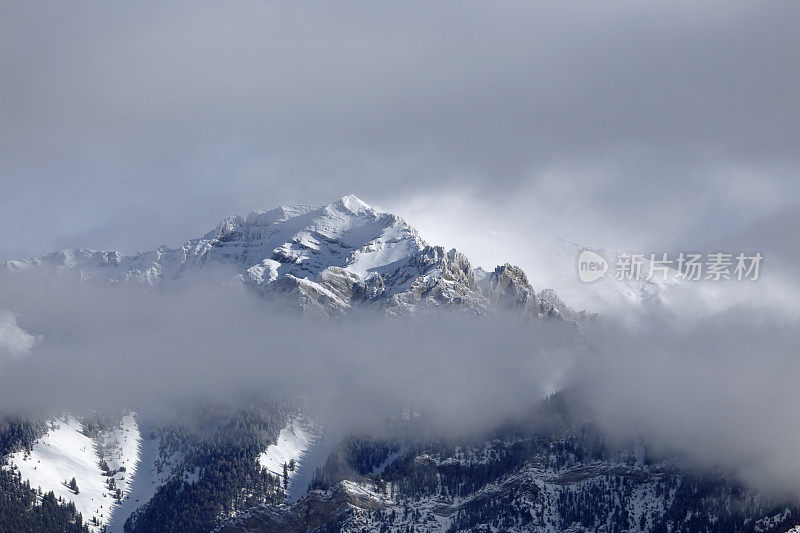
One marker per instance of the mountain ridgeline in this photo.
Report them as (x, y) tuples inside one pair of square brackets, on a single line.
[(323, 261)]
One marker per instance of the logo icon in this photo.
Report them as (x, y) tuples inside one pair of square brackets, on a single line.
[(591, 266)]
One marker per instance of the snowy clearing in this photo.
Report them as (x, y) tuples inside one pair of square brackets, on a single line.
[(295, 442), (64, 452)]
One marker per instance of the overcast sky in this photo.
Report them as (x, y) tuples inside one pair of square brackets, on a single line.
[(621, 124)]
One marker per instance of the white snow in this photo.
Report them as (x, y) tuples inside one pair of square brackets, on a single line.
[(295, 441), (397, 242), (121, 450), (267, 245), (65, 452), (140, 479), (354, 204)]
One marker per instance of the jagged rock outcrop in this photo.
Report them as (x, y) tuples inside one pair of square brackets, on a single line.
[(318, 510), (508, 288)]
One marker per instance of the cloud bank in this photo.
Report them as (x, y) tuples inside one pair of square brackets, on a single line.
[(720, 391), (14, 341)]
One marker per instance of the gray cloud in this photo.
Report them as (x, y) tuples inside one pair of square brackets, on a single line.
[(720, 391), (148, 350), (125, 126)]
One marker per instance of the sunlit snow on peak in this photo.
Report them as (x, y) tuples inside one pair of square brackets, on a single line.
[(354, 204)]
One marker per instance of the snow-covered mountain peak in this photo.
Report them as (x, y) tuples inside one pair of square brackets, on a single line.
[(349, 204), (325, 258)]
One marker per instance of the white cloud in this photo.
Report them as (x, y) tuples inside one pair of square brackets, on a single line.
[(14, 341)]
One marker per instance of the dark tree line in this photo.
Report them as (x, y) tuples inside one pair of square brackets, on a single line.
[(222, 444)]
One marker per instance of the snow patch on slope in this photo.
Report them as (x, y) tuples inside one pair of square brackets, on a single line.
[(127, 448), (294, 442), (120, 450), (65, 452)]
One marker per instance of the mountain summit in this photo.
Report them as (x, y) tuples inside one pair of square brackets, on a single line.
[(323, 259)]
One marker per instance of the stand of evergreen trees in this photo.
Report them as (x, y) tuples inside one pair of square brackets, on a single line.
[(222, 444)]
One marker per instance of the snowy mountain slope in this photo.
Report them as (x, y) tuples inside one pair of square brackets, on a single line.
[(299, 241), (294, 445), (65, 452), (322, 259), (143, 479), (114, 471)]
